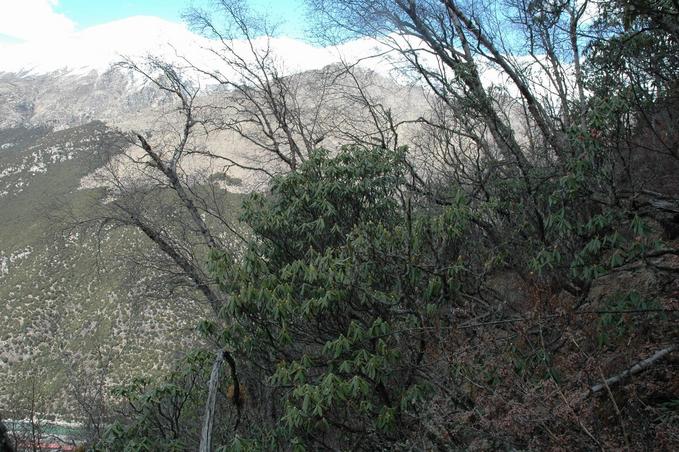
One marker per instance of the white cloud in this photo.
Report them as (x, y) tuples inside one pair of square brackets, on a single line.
[(31, 20)]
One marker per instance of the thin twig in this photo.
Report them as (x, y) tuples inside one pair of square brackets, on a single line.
[(617, 410)]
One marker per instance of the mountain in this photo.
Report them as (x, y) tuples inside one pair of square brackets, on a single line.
[(74, 306), (74, 79), (67, 300), (97, 47)]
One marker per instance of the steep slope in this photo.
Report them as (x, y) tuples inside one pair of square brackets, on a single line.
[(69, 304), (63, 100), (75, 306)]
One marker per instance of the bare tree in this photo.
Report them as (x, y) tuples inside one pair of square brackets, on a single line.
[(257, 100), (164, 185), (28, 429), (150, 189), (498, 109), (360, 106), (89, 388)]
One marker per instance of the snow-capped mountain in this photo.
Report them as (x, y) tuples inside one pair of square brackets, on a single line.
[(68, 81), (97, 47)]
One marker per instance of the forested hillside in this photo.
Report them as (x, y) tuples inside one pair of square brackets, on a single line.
[(483, 255)]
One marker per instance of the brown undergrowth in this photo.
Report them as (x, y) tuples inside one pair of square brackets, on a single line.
[(525, 382)]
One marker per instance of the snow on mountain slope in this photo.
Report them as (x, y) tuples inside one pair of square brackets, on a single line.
[(93, 51), (96, 48), (68, 80)]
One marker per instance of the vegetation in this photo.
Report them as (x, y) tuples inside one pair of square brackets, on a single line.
[(508, 280)]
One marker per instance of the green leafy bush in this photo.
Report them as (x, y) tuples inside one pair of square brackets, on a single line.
[(337, 295)]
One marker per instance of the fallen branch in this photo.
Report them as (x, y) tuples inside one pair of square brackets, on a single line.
[(635, 369)]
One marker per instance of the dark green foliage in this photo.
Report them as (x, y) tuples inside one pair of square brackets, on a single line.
[(637, 52), (337, 294), (5, 442), (619, 322)]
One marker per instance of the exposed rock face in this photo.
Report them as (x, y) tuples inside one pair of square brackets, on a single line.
[(62, 100)]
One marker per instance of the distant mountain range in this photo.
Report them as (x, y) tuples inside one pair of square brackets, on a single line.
[(96, 48)]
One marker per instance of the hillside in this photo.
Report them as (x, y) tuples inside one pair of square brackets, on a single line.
[(78, 300), (71, 303), (457, 229)]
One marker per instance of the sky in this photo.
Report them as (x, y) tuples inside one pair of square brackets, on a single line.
[(34, 20)]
